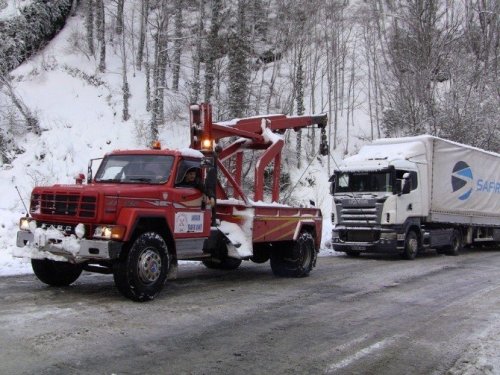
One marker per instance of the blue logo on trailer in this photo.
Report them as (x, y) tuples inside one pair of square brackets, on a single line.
[(462, 180)]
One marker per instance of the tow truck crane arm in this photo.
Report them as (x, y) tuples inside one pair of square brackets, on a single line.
[(254, 133)]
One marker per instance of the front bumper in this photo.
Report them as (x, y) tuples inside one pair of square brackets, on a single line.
[(383, 242), (72, 249)]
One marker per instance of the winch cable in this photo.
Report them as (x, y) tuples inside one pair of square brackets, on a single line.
[(300, 178)]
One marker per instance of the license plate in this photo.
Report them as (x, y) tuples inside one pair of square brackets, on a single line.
[(358, 247)]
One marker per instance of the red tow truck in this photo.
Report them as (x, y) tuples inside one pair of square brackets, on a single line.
[(137, 217)]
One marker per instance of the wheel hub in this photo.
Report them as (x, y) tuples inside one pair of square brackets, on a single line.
[(149, 266)]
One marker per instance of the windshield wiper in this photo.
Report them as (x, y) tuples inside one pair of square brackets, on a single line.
[(141, 179), (109, 180)]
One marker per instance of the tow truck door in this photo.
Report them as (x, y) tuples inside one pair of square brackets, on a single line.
[(191, 222)]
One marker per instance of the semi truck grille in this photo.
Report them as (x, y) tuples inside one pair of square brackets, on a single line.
[(359, 211), (358, 215), (64, 204)]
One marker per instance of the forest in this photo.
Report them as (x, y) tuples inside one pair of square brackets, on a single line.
[(394, 67)]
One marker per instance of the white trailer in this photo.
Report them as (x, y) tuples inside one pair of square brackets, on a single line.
[(406, 194)]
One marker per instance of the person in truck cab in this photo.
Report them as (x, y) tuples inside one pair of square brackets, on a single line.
[(191, 179)]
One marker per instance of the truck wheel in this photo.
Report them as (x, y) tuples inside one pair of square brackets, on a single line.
[(294, 261), (55, 273), (225, 264), (455, 243), (411, 246), (141, 274)]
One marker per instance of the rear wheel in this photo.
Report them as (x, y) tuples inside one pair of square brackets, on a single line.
[(294, 261), (141, 274), (455, 243), (225, 264), (411, 246), (56, 273)]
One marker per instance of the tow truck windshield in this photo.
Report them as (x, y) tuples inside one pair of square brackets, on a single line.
[(138, 169)]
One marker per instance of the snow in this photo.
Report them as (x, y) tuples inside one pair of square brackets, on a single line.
[(268, 135), (190, 153), (241, 240), (10, 8)]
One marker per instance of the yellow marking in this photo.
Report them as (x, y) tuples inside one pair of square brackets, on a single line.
[(286, 234), (288, 222), (290, 218)]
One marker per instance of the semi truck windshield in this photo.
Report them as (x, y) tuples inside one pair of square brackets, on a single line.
[(354, 182)]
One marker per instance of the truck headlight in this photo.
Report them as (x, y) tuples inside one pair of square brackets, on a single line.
[(80, 230), (109, 232), (26, 223), (388, 235)]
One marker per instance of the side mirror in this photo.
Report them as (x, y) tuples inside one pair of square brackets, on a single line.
[(332, 184), (405, 183), (79, 178), (207, 162)]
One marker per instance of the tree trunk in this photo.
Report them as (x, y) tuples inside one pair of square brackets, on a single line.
[(142, 32), (101, 37), (89, 25), (196, 86), (119, 16), (177, 45)]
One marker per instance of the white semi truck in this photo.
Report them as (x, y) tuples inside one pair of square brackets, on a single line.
[(407, 194)]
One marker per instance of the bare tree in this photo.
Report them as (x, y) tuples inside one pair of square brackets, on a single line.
[(32, 124), (213, 48), (142, 32), (197, 54), (125, 86), (420, 46), (119, 16), (89, 25), (238, 68), (159, 68), (177, 45), (101, 37)]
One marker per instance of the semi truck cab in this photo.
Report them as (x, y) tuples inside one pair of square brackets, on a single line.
[(405, 194)]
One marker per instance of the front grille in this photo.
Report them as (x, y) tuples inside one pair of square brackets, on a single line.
[(358, 212), (359, 215), (64, 204)]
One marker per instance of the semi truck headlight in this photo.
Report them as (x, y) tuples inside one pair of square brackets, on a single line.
[(388, 236), (110, 232)]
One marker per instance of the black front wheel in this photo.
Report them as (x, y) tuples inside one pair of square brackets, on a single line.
[(455, 243), (294, 261), (56, 273), (142, 272), (411, 246)]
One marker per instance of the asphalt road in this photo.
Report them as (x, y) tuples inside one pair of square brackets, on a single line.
[(368, 315)]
